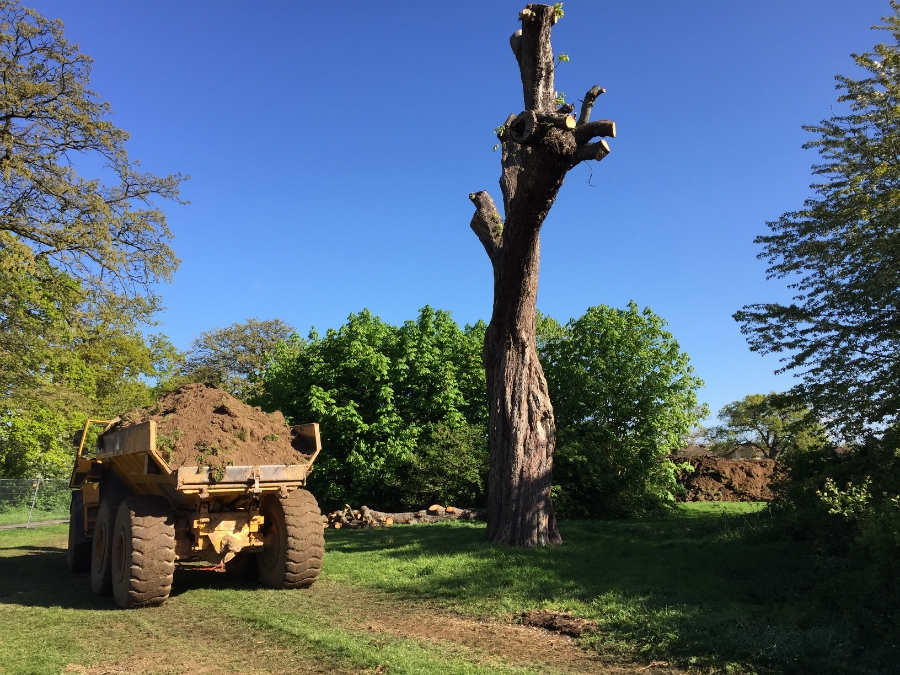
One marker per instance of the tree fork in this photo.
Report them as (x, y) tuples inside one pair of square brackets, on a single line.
[(540, 145)]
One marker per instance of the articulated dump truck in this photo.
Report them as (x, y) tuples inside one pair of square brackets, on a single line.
[(133, 517)]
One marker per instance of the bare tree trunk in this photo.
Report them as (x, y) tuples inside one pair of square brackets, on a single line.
[(540, 145)]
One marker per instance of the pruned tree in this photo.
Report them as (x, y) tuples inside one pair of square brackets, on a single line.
[(539, 146)]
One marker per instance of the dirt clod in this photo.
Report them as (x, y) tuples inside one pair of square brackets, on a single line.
[(558, 622), (205, 426), (715, 479)]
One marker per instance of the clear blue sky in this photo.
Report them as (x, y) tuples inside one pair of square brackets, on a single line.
[(332, 147)]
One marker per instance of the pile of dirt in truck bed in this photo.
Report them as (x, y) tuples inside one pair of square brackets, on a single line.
[(715, 479), (197, 425)]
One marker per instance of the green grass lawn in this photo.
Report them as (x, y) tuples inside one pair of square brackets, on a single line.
[(709, 589), (19, 514)]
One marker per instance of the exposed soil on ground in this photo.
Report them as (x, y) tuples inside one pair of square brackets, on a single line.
[(715, 479), (557, 622), (201, 425)]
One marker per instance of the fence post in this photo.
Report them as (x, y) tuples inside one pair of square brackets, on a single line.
[(37, 486)]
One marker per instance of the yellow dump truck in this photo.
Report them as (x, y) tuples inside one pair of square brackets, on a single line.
[(133, 517)]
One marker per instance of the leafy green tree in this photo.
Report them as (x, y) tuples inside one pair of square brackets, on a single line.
[(110, 238), (232, 358), (79, 258), (388, 398), (625, 396), (772, 423), (841, 253)]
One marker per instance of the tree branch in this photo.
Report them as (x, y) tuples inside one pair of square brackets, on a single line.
[(536, 58), (510, 164), (588, 103), (487, 224), (587, 131), (597, 150)]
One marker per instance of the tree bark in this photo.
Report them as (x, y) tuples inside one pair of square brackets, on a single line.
[(540, 145)]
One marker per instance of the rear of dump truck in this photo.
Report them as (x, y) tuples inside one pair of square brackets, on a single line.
[(133, 517)]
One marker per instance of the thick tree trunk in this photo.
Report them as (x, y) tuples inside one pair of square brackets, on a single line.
[(540, 145)]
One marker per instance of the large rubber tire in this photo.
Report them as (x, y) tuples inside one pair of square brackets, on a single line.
[(78, 556), (292, 557), (143, 552), (101, 547)]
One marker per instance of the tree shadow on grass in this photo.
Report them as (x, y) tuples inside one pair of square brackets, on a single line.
[(709, 589)]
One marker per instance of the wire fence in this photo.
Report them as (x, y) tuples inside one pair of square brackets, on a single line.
[(29, 500)]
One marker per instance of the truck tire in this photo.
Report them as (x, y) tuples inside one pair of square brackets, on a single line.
[(78, 555), (295, 545), (101, 547), (143, 552)]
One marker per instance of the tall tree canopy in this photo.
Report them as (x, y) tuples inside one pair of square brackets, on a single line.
[(841, 253), (79, 255), (540, 145), (112, 238)]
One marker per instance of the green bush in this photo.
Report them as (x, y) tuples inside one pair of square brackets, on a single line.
[(624, 395)]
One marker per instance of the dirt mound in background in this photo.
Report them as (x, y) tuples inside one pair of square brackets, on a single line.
[(197, 425), (715, 479)]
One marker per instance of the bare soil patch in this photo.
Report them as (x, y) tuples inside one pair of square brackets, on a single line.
[(715, 479), (558, 622), (201, 425)]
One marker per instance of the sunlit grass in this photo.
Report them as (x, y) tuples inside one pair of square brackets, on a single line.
[(709, 588)]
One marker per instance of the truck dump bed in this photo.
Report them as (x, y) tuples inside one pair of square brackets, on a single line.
[(133, 455)]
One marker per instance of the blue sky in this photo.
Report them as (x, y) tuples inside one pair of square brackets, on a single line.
[(332, 147)]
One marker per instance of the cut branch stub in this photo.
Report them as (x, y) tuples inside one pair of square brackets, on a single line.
[(600, 128), (522, 128), (597, 150), (588, 103), (487, 224), (526, 127), (559, 121), (515, 42)]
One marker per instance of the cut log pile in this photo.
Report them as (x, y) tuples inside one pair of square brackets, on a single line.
[(364, 517)]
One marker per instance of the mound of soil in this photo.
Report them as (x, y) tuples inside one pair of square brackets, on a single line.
[(197, 425), (715, 479)]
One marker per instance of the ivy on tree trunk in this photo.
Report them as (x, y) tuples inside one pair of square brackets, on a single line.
[(540, 145)]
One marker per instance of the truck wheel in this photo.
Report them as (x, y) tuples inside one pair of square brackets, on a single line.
[(295, 544), (143, 552), (101, 548), (78, 556)]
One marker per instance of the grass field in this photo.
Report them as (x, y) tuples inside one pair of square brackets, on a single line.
[(709, 590), (17, 515)]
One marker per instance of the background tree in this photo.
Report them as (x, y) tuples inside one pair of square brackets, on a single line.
[(540, 145), (79, 258), (772, 423), (232, 358), (625, 396), (842, 254), (111, 238), (402, 409)]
